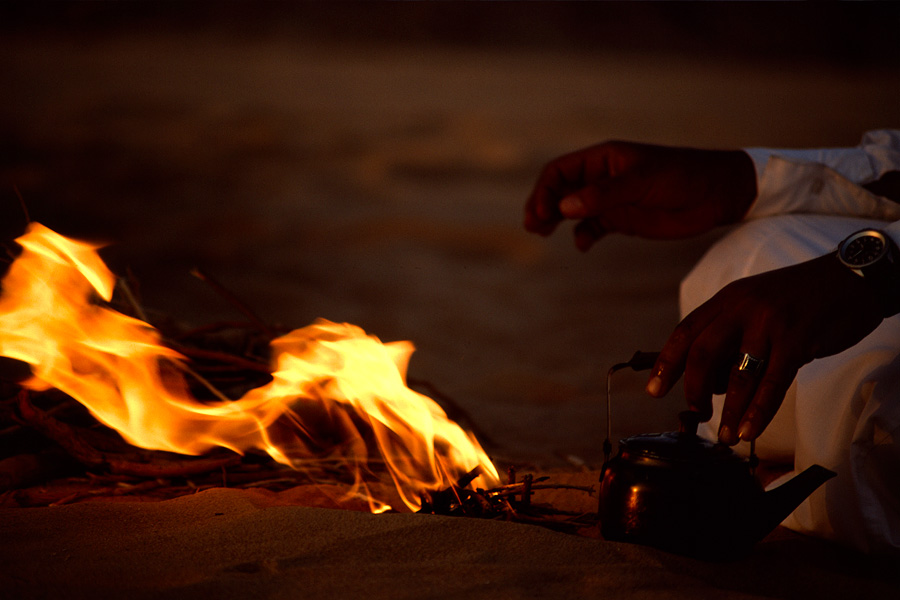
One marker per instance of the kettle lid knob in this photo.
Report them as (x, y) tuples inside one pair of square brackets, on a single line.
[(690, 420)]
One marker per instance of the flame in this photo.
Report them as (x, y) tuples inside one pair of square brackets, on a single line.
[(333, 389)]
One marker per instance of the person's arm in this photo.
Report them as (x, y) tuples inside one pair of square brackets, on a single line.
[(662, 192), (790, 316), (786, 317), (656, 192)]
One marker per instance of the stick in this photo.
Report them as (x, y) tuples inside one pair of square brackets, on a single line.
[(234, 301), (22, 203), (515, 486), (466, 479), (132, 300), (526, 489), (146, 463), (23, 470), (214, 327), (116, 491), (512, 491), (183, 367), (511, 475), (224, 357)]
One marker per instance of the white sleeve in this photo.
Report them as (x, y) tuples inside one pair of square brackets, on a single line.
[(826, 181)]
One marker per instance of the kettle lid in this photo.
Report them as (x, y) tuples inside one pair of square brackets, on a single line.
[(676, 446), (684, 445)]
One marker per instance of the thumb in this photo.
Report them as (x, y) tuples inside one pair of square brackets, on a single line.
[(602, 196), (587, 232)]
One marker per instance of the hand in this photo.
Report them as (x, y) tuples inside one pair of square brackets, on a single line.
[(788, 317), (656, 192)]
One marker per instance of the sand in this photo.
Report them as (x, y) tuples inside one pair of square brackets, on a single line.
[(225, 543), (381, 182)]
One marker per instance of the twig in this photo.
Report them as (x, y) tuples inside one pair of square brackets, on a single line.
[(237, 361), (539, 486), (22, 203), (234, 301), (132, 300), (145, 463), (526, 489), (214, 327), (22, 470), (267, 482), (120, 490), (183, 367), (514, 487), (466, 479)]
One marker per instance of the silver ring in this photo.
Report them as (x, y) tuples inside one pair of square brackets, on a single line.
[(751, 365)]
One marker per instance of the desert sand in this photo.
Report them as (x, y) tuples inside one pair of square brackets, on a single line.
[(237, 544)]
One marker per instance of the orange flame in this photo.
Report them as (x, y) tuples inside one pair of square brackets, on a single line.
[(334, 387)]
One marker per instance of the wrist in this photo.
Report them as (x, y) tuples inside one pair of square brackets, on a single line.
[(873, 258)]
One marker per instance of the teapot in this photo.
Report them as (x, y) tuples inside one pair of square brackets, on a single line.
[(682, 493)]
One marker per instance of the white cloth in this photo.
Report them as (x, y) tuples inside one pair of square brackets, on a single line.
[(842, 412)]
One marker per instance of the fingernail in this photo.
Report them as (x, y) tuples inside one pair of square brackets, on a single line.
[(571, 206), (745, 430), (726, 436), (654, 386)]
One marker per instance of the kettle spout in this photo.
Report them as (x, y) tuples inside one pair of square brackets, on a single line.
[(780, 502)]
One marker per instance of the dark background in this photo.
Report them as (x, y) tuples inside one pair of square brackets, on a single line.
[(851, 33)]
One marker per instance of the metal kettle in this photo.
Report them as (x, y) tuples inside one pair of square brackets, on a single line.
[(684, 494)]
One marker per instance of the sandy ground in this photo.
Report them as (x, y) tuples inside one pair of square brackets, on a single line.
[(233, 544), (383, 184)]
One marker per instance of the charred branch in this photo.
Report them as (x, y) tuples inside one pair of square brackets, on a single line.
[(511, 502), (82, 445)]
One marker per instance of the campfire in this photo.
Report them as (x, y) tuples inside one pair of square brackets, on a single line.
[(224, 404)]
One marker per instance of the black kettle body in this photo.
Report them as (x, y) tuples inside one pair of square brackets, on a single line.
[(681, 493)]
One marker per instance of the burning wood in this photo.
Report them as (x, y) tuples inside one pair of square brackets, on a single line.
[(120, 458), (326, 403), (510, 502)]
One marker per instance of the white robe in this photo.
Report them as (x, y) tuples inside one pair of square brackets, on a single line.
[(842, 412)]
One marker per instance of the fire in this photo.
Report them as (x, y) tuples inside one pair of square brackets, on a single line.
[(334, 388)]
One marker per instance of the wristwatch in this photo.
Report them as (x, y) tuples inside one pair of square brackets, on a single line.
[(872, 254)]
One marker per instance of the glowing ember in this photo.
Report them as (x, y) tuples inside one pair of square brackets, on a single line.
[(334, 388)]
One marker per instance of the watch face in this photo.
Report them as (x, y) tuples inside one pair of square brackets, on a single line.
[(863, 248)]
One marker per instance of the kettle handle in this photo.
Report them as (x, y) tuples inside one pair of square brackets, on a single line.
[(641, 361)]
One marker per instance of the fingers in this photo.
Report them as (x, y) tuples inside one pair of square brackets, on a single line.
[(587, 233), (541, 213), (573, 173), (673, 357), (772, 388), (559, 178), (743, 383), (703, 347), (742, 387)]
